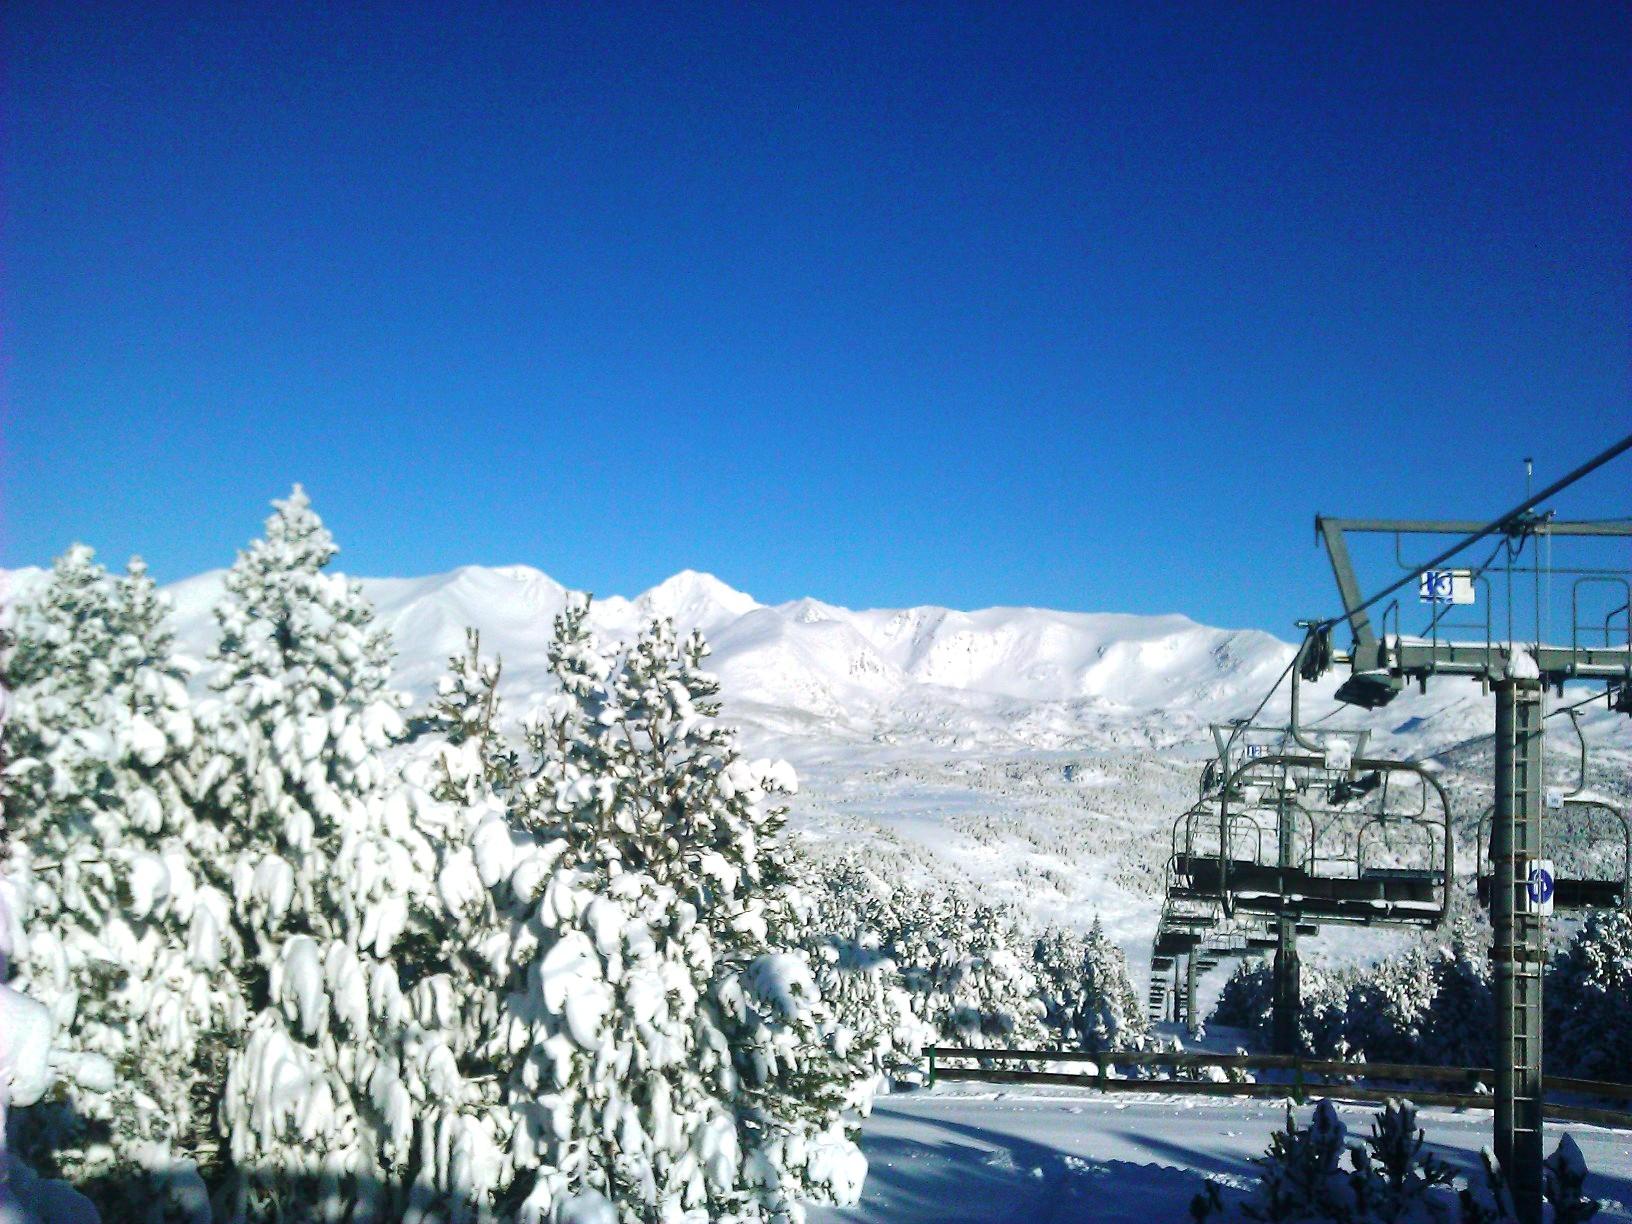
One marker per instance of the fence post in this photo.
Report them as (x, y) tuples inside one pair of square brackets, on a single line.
[(1297, 1081), (930, 1083)]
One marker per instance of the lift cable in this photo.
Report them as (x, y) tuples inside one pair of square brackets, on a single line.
[(1506, 521), (1490, 735), (1273, 689)]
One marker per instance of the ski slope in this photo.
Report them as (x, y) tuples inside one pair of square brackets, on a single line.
[(1036, 1155)]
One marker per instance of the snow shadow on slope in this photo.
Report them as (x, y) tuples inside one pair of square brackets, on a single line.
[(949, 1171)]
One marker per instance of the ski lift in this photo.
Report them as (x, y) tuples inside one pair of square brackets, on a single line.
[(1417, 822), (1571, 892), (1339, 886)]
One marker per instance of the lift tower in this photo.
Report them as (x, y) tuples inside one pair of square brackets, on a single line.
[(1518, 675)]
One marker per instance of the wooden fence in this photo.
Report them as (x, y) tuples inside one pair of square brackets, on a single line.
[(1308, 1076)]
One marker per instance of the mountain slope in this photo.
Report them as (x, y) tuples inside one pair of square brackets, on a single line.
[(997, 676)]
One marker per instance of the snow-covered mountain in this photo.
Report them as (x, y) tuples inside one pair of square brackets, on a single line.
[(852, 671), (997, 677), (1041, 755)]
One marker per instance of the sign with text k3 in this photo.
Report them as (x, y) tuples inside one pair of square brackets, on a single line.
[(1445, 587)]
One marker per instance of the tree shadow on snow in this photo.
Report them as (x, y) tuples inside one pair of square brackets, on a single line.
[(952, 1171)]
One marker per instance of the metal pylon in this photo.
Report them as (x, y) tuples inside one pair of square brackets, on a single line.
[(1287, 1003), (1192, 1022), (1519, 943)]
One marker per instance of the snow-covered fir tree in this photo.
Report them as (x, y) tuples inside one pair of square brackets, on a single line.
[(127, 946), (461, 773), (858, 978), (967, 966), (1588, 996), (1090, 1002), (328, 872), (668, 1054), (1389, 1178), (27, 1033), (1431, 1005)]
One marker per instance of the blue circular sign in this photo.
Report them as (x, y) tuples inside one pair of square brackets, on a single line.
[(1540, 886)]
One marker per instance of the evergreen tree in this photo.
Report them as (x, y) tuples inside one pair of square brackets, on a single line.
[(967, 966), (129, 940), (858, 978), (460, 972), (669, 1053), (1589, 999), (1115, 1021), (1431, 1005), (326, 869), (26, 1061)]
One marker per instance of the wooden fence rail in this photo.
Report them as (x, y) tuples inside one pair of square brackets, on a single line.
[(1302, 1084)]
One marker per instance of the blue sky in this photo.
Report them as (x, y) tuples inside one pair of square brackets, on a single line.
[(1086, 306)]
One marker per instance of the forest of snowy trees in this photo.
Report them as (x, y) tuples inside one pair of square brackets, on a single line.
[(280, 947), (1432, 1005)]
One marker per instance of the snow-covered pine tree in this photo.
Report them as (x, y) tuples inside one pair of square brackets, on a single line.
[(1430, 1005), (26, 1065), (460, 974), (128, 945), (1459, 1029), (1589, 999), (670, 1056), (1324, 1024), (967, 966), (1391, 1178), (857, 977), (467, 716), (1117, 1021), (327, 870), (1246, 998), (1085, 988), (1058, 958)]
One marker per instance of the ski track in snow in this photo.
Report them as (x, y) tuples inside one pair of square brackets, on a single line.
[(1048, 1156)]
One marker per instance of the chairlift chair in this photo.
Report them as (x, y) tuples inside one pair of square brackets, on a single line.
[(1415, 895), (1570, 892)]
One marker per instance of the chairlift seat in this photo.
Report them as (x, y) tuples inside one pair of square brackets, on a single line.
[(1357, 912), (1401, 873), (1571, 894), (1392, 885), (1176, 943)]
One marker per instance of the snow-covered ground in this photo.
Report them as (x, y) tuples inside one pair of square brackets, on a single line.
[(1036, 1155)]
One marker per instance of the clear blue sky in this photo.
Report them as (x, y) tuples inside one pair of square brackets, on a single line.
[(1088, 306)]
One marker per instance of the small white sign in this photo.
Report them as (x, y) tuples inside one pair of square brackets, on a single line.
[(1445, 587), (1339, 754), (1536, 887), (1253, 751), (1555, 799)]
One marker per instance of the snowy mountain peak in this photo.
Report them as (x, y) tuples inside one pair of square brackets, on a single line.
[(691, 599), (692, 586), (995, 675)]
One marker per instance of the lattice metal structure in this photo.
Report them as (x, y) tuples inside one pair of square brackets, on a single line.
[(1592, 642)]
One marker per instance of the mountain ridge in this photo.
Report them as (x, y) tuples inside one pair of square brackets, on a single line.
[(1010, 676)]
